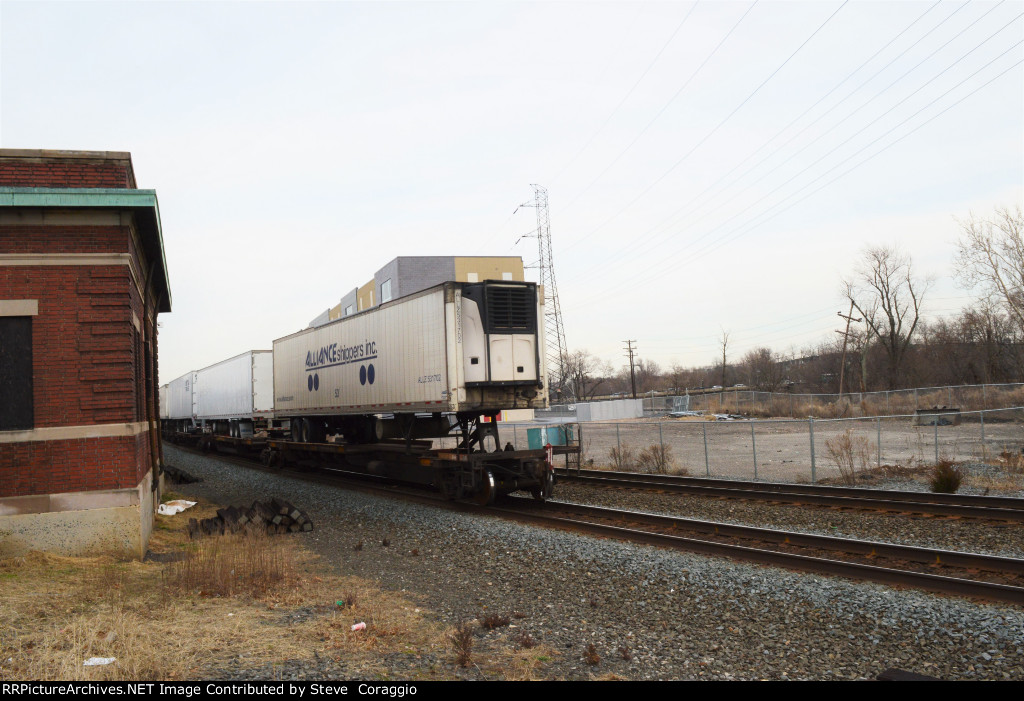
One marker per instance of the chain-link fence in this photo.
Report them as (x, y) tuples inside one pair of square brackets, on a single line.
[(847, 405), (787, 450)]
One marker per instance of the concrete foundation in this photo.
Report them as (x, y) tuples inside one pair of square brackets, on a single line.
[(115, 522)]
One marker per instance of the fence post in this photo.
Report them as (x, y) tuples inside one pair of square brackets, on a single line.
[(618, 442), (810, 422), (878, 438), (753, 445), (515, 438), (982, 415), (661, 437), (707, 465), (936, 419), (888, 411)]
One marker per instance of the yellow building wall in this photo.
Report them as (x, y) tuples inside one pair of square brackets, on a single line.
[(365, 297), (488, 268)]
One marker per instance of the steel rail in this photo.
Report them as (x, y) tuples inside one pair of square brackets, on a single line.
[(923, 580), (964, 505)]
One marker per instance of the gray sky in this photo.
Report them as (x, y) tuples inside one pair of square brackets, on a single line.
[(710, 166)]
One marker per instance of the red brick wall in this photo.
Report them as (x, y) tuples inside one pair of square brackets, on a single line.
[(85, 465), (70, 172), (82, 356), (65, 239), (87, 368)]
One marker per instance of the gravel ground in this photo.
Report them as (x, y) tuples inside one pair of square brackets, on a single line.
[(673, 615)]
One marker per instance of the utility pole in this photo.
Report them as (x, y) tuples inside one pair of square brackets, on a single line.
[(632, 372), (846, 338)]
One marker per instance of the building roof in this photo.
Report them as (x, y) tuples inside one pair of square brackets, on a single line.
[(142, 203)]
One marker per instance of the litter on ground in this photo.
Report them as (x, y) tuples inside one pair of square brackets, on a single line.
[(174, 507)]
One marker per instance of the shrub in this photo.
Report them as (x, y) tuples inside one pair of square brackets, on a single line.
[(623, 457), (656, 459), (946, 477), (462, 640), (847, 452), (495, 620)]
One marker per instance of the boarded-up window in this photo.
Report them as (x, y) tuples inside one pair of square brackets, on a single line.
[(16, 411)]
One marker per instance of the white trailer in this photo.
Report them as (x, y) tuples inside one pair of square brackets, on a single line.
[(181, 402), (162, 399), (234, 395), (465, 349)]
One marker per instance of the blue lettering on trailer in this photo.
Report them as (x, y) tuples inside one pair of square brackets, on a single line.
[(335, 354)]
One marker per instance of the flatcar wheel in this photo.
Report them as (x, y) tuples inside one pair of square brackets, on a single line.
[(488, 490), (542, 492)]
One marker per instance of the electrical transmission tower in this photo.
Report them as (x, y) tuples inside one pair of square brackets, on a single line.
[(557, 352)]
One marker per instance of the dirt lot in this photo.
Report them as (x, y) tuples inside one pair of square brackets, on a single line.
[(781, 450)]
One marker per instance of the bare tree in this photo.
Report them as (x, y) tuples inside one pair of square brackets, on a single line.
[(648, 374), (585, 373), (990, 255), (763, 369), (885, 291)]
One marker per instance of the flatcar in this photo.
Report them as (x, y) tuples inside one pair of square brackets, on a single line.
[(442, 362)]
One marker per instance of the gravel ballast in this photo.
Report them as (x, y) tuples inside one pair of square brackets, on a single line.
[(649, 613)]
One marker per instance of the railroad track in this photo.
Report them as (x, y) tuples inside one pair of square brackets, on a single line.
[(948, 572), (962, 505)]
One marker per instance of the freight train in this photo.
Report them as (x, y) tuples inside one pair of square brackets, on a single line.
[(367, 389)]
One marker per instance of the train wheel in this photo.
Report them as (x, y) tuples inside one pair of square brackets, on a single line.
[(542, 492), (488, 490)]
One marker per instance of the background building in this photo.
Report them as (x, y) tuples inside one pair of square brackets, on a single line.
[(408, 274), (82, 279)]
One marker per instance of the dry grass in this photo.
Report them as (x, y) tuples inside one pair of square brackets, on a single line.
[(522, 664), (235, 603), (1011, 480)]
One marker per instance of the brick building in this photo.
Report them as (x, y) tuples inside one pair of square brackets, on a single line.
[(82, 280)]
